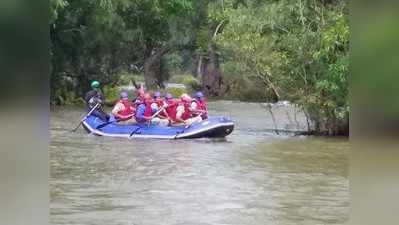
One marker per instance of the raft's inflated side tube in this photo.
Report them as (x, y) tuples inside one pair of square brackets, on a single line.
[(212, 127)]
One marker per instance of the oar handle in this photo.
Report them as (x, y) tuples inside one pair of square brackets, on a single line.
[(158, 112), (92, 110), (88, 114)]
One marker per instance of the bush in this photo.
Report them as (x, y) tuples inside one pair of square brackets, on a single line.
[(111, 93), (192, 83), (178, 78), (176, 92), (126, 77)]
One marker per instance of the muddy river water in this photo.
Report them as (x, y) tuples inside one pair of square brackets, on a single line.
[(251, 177)]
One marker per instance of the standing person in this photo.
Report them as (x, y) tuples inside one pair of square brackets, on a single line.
[(199, 105), (123, 110), (94, 97)]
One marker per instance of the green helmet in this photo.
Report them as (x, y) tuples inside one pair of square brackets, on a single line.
[(95, 84)]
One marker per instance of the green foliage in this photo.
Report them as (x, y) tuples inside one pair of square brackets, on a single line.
[(297, 49), (111, 93), (178, 78), (173, 63), (176, 92), (101, 39), (191, 83)]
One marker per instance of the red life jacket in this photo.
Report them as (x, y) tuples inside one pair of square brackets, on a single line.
[(187, 113), (171, 109), (161, 103), (127, 111), (148, 109), (201, 105)]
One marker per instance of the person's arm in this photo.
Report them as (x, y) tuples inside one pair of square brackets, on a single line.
[(165, 114), (88, 96), (117, 108), (193, 106), (179, 113)]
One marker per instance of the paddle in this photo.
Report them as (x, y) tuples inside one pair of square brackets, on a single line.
[(155, 114), (186, 127), (159, 111), (134, 132), (109, 122), (88, 114)]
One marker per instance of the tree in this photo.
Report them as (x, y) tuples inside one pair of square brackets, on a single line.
[(298, 50)]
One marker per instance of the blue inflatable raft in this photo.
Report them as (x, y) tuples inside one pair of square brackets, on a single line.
[(212, 127)]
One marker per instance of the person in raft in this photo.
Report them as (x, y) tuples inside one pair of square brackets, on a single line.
[(199, 106), (182, 113), (146, 111), (170, 105), (124, 110), (94, 97), (159, 104)]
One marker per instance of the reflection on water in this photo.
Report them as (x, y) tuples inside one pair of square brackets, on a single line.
[(251, 177)]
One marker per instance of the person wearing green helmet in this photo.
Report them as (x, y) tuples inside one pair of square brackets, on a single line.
[(94, 97)]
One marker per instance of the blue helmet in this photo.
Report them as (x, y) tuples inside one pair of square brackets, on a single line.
[(157, 94), (168, 96), (124, 94), (199, 95)]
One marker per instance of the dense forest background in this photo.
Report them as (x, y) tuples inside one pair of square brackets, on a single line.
[(250, 50)]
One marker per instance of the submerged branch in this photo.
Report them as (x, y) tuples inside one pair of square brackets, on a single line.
[(268, 107)]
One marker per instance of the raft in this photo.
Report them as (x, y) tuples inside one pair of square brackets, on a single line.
[(213, 127)]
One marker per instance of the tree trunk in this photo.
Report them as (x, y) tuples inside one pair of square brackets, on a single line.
[(210, 73), (152, 69), (199, 66)]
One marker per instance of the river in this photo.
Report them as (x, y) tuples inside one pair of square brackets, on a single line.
[(251, 177)]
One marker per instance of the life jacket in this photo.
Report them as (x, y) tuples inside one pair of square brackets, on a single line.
[(201, 105), (171, 108), (186, 114), (148, 109), (160, 102), (127, 111)]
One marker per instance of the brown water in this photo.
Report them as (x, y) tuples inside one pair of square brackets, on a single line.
[(251, 177)]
